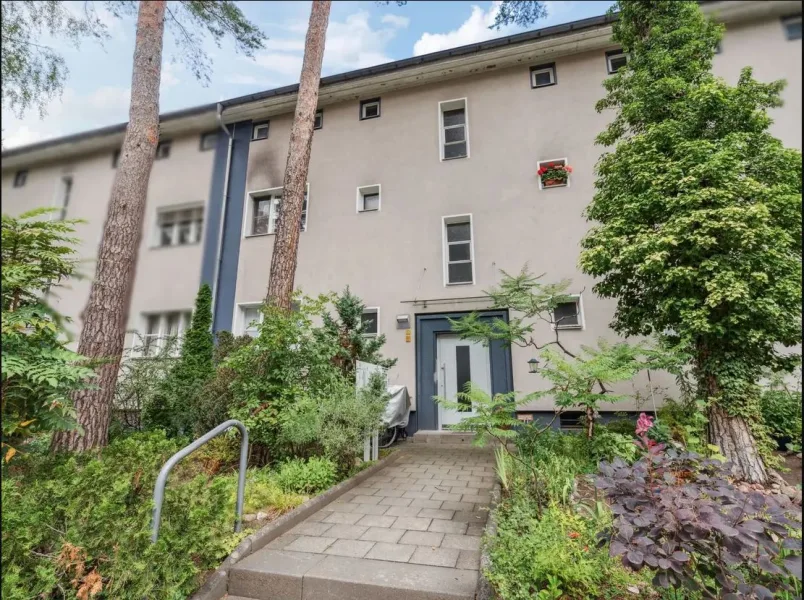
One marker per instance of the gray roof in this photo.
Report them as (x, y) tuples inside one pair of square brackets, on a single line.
[(518, 38)]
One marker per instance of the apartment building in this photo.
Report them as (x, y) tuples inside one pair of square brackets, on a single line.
[(422, 187)]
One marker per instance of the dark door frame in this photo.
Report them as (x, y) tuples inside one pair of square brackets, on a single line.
[(428, 327)]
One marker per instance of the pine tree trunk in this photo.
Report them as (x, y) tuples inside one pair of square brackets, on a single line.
[(286, 244), (106, 313), (733, 436)]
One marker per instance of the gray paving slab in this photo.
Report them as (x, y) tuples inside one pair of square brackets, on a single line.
[(272, 574)]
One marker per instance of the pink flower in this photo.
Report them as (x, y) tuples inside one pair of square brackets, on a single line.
[(644, 422)]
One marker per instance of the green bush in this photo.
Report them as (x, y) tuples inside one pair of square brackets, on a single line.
[(307, 477), (607, 444), (73, 523), (558, 551), (263, 492), (781, 412)]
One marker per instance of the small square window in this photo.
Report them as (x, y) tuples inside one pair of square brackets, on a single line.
[(543, 75), (567, 314), (318, 123), (208, 140), (615, 60), (163, 150), (368, 198), (116, 158), (545, 181), (369, 109), (20, 177), (370, 321), (792, 27), (259, 131)]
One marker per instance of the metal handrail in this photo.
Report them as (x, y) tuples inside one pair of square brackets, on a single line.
[(161, 481)]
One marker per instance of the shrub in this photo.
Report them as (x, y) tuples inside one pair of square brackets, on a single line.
[(307, 477), (677, 513), (70, 523), (38, 371), (557, 551), (608, 445), (781, 412), (263, 492)]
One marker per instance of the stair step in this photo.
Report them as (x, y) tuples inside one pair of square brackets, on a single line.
[(442, 437), (278, 575)]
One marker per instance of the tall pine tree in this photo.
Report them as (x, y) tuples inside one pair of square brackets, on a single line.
[(698, 212)]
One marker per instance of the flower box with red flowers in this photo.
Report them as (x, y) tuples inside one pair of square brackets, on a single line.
[(553, 174)]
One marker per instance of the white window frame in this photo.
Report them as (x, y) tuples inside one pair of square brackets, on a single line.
[(185, 320), (248, 210), (256, 127), (157, 236), (610, 55), (546, 68), (376, 310), (581, 318), (446, 105), (450, 220), (59, 195), (553, 160), (787, 21), (370, 102), (239, 321), (364, 190), (319, 112)]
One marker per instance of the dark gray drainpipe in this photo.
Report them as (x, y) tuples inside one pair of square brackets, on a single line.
[(219, 257)]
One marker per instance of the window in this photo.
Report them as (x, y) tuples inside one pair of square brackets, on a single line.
[(20, 177), (65, 191), (162, 150), (615, 60), (318, 123), (792, 27), (570, 420), (543, 75), (368, 198), (552, 163), (265, 211), (458, 251), (719, 48), (251, 317), (115, 158), (370, 319), (568, 314), (259, 131), (180, 227), (453, 132), (369, 109), (161, 329), (208, 140)]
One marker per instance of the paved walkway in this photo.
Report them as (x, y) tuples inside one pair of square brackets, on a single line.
[(410, 531)]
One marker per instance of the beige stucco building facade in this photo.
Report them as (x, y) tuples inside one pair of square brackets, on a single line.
[(395, 255)]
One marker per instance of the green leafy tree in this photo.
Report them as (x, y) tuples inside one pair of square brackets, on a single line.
[(38, 371), (698, 216), (349, 329), (174, 407)]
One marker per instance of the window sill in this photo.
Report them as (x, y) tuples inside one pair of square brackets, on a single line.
[(443, 159), (555, 185), (257, 235), (460, 283), (369, 210), (562, 327)]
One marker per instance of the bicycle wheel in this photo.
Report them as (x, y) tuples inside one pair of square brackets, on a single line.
[(386, 437)]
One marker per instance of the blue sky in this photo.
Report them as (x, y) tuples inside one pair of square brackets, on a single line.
[(360, 34)]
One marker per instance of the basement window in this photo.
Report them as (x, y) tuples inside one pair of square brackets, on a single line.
[(792, 27), (368, 198), (543, 75), (571, 421), (259, 131), (615, 60), (369, 109), (318, 123)]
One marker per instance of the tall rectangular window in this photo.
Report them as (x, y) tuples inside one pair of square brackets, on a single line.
[(180, 227), (370, 321), (251, 318), (318, 122), (266, 210), (66, 190), (454, 133), (458, 251), (20, 177)]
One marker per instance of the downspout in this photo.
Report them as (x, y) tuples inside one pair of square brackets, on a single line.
[(219, 257)]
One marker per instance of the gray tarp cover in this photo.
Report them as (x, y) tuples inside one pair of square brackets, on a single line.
[(398, 407)]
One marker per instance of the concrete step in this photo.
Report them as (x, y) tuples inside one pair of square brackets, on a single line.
[(442, 437), (285, 575)]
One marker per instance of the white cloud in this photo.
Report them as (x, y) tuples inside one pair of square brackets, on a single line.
[(353, 44), (285, 44), (396, 20), (285, 64), (242, 79), (71, 113), (476, 28), (169, 75)]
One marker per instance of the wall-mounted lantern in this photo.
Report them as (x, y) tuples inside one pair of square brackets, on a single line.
[(533, 365)]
